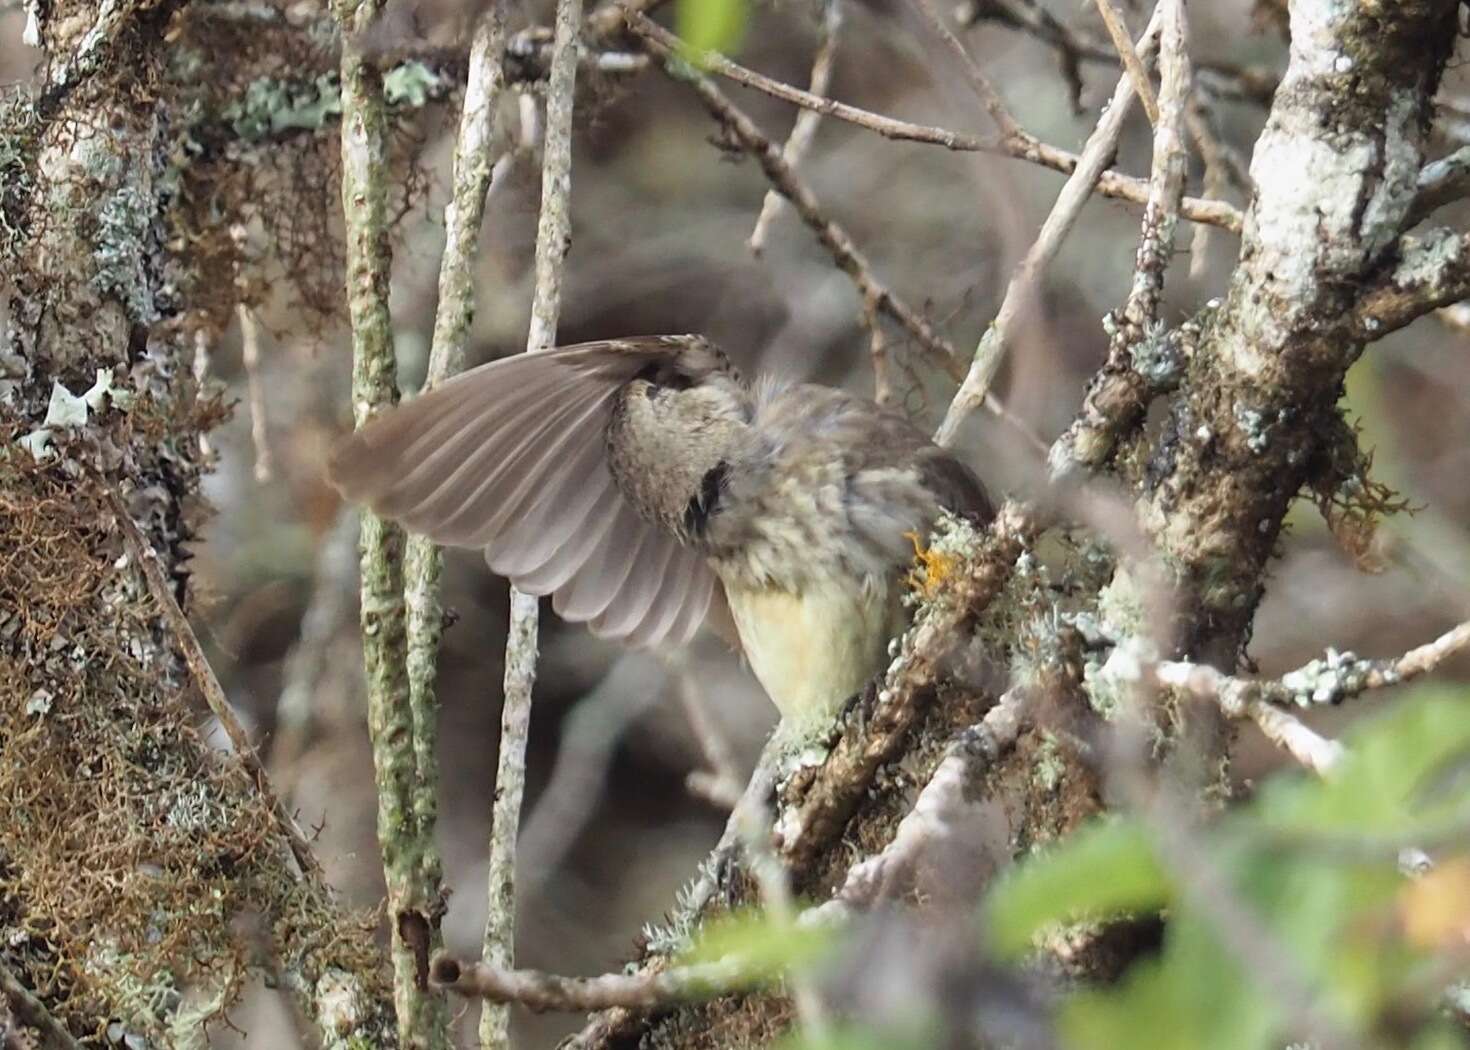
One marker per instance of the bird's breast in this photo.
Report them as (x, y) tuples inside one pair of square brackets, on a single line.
[(814, 647)]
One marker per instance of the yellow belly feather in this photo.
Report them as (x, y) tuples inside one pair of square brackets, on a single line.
[(813, 649)]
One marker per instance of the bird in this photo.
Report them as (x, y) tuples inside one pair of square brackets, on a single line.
[(650, 490)]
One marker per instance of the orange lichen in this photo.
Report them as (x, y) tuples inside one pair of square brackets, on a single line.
[(931, 567)]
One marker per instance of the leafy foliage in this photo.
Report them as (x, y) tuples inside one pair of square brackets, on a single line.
[(1315, 865), (710, 25)]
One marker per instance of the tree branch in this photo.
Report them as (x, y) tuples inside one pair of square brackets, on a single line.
[(1022, 146), (553, 239), (413, 901), (1025, 282)]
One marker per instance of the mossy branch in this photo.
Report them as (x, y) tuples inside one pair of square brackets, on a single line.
[(410, 862)]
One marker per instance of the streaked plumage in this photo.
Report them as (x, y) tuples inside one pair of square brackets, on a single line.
[(649, 490)]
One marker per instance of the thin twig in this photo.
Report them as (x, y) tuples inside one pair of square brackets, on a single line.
[(31, 1011), (146, 557), (1440, 182), (719, 780), (1283, 729), (423, 560), (833, 237), (255, 387), (1166, 179), (1022, 290), (1024, 147), (1010, 128), (879, 353), (553, 238), (414, 903), (805, 128), (1219, 171), (543, 991), (1118, 32), (1242, 83)]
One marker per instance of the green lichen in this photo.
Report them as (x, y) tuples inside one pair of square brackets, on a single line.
[(412, 84), (122, 243), (272, 106), (1050, 769)]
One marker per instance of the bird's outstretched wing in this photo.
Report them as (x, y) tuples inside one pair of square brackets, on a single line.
[(511, 457)]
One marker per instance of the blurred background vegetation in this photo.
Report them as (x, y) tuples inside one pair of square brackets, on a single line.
[(661, 215)]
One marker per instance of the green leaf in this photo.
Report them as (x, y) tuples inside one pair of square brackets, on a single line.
[(1106, 869), (1406, 772), (762, 946), (709, 25)]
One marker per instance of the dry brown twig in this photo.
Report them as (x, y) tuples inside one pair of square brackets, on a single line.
[(146, 558), (1024, 146), (877, 296), (845, 253), (805, 128), (1025, 282), (985, 91), (1118, 31)]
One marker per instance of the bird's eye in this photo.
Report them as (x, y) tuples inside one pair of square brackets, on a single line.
[(650, 391)]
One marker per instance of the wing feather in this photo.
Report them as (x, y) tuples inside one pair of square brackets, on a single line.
[(511, 457)]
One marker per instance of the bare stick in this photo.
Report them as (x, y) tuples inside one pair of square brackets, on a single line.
[(1010, 128), (1216, 158), (553, 237), (250, 358), (805, 128), (544, 991), (833, 237), (1283, 729), (413, 903), (719, 780), (1021, 292), (1118, 31), (146, 557), (1022, 147)]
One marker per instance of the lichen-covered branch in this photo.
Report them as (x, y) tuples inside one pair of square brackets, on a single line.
[(414, 902), (423, 561), (553, 241), (936, 812), (544, 991), (1245, 429), (815, 809)]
